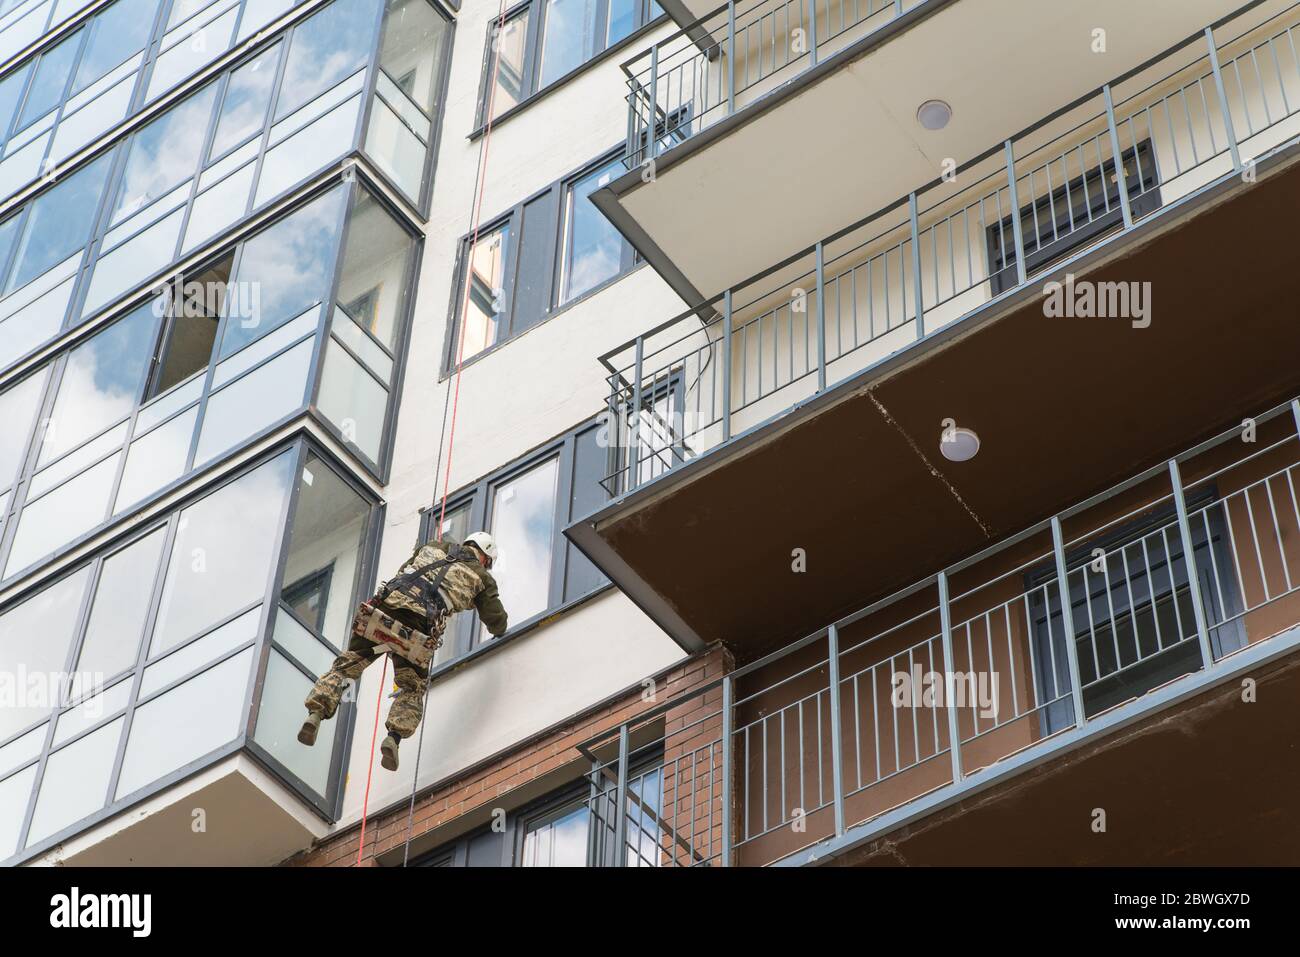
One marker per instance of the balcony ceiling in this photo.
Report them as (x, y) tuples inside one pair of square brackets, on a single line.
[(1065, 408), (837, 144)]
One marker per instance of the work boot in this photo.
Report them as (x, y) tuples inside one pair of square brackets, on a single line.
[(307, 733), (388, 750)]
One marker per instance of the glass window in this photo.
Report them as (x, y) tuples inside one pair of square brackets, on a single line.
[(286, 269), (18, 405), (155, 459), (622, 20), (510, 80), (11, 88), (63, 515), (121, 606), (593, 248), (210, 710), (412, 49), (51, 80), (52, 614), (59, 223), (15, 792), (568, 37), (114, 36), (280, 717), (558, 839), (192, 330), (325, 49), (196, 654), (243, 109), (482, 326), (255, 401), (102, 382), (75, 782), (352, 399), (165, 153), (324, 559), (523, 515), (221, 560), (373, 275)]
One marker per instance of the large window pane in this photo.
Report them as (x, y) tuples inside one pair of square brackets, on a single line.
[(285, 269), (412, 48), (185, 723), (165, 153), (482, 325), (102, 382), (254, 402), (559, 839), (568, 38), (280, 717), (51, 81), (63, 515), (325, 49), (510, 82), (59, 223), (329, 528), (221, 561), (243, 109), (121, 606), (52, 614), (352, 399), (593, 248), (523, 523), (18, 405), (372, 282), (115, 35), (75, 782), (15, 793)]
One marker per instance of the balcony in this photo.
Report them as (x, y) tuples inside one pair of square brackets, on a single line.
[(770, 121), (811, 398), (1180, 580)]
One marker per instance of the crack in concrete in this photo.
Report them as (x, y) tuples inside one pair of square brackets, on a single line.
[(922, 456)]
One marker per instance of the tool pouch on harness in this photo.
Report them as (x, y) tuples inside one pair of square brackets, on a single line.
[(382, 629)]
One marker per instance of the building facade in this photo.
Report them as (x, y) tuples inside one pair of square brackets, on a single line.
[(890, 462)]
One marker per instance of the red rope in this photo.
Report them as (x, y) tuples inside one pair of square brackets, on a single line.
[(460, 356)]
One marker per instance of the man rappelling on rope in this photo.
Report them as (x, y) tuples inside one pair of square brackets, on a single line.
[(407, 618)]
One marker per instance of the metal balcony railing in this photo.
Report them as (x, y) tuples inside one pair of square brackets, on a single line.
[(733, 55), (836, 730), (1204, 110)]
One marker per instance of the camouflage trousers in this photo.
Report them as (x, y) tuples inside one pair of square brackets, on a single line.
[(411, 679)]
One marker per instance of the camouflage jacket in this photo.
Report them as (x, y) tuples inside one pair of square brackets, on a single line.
[(466, 585)]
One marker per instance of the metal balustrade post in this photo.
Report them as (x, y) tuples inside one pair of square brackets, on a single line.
[(1295, 414), (727, 782), (731, 57), (1193, 579), (949, 678), (916, 268), (1223, 98), (1067, 622), (1121, 175), (837, 745), (898, 8), (1017, 232), (726, 365), (652, 141), (634, 424), (812, 32), (821, 319), (620, 815)]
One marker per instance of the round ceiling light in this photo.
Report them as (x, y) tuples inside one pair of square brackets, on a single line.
[(934, 114), (959, 445)]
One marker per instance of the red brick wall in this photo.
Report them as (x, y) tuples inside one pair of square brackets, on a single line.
[(492, 783)]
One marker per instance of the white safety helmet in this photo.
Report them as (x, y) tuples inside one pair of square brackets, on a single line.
[(484, 543)]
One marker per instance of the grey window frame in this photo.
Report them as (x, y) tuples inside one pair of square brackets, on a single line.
[(478, 497), (321, 335), (518, 822), (549, 260), (326, 806), (533, 49)]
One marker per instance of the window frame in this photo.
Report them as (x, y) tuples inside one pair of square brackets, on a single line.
[(532, 87), (478, 497), (551, 267)]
